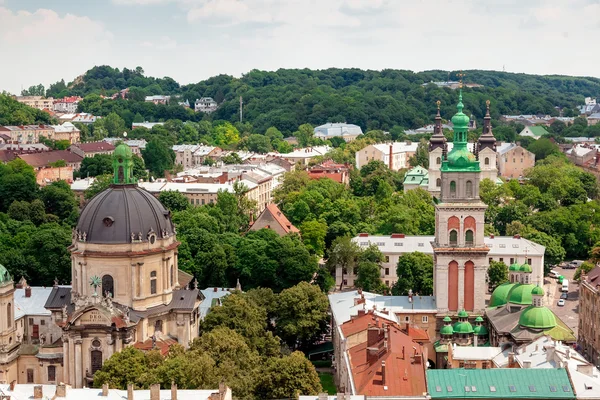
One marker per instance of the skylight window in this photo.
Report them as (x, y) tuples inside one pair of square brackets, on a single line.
[(492, 388), (566, 388), (552, 388), (449, 389), (512, 388), (473, 389), (467, 389), (532, 388), (438, 388)]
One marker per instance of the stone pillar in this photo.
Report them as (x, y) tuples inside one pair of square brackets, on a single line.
[(66, 360), (118, 343), (134, 278), (175, 268), (461, 286), (71, 361), (78, 364), (109, 346), (441, 287)]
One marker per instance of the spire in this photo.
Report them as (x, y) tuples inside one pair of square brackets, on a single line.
[(437, 139), (460, 158), (487, 139)]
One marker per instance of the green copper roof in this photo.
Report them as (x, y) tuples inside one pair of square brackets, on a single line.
[(499, 383), (521, 294), (463, 327), (446, 330), (479, 319), (538, 291), (480, 330), (500, 294), (123, 165), (4, 275), (538, 130), (460, 158), (525, 268), (447, 319), (537, 318), (514, 267), (463, 314)]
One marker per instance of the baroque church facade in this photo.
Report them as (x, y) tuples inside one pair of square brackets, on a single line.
[(125, 287)]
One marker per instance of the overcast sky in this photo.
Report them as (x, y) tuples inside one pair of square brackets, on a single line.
[(42, 41)]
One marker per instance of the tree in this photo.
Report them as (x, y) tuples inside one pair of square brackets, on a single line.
[(304, 134), (37, 90), (231, 158), (288, 377), (112, 125), (158, 157), (17, 182), (542, 148), (497, 273), (173, 200), (585, 267), (313, 235), (421, 156), (301, 315), (130, 365), (369, 277), (415, 272), (225, 135), (554, 254), (259, 144), (100, 164), (60, 200)]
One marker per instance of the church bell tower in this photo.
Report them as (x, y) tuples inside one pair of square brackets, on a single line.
[(460, 253)]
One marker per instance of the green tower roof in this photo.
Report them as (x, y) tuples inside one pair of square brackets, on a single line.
[(480, 330), (463, 327), (525, 268), (446, 330), (500, 294), (463, 314), (537, 291), (521, 294), (537, 318), (447, 319), (479, 319), (514, 267), (460, 158), (4, 275)]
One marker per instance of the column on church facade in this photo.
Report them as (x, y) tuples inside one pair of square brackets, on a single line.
[(78, 364), (66, 360), (71, 361), (480, 282)]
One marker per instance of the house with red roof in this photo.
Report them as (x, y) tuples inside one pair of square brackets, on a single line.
[(273, 218)]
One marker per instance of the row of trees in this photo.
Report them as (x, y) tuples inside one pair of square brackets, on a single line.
[(250, 343)]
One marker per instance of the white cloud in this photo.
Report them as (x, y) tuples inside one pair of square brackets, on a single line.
[(46, 47), (163, 43), (228, 12)]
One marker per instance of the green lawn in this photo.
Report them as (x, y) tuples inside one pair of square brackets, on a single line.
[(327, 382)]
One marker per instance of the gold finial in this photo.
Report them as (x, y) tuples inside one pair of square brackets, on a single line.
[(438, 104), (487, 104), (460, 75)]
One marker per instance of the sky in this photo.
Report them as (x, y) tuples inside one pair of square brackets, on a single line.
[(43, 41)]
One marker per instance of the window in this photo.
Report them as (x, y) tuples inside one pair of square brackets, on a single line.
[(552, 388), (490, 259), (467, 388), (501, 259), (532, 388), (502, 246), (492, 388), (29, 376), (438, 388), (51, 373), (438, 182), (515, 246), (406, 318), (153, 282), (42, 322), (96, 360), (30, 321), (512, 388), (487, 161), (469, 189), (387, 271), (469, 237), (461, 364), (449, 389), (512, 261), (453, 237), (380, 243), (421, 244), (387, 258), (355, 271), (484, 365), (108, 286), (398, 244), (158, 326), (9, 316), (529, 261), (364, 243), (387, 283), (424, 319), (452, 188), (438, 161), (566, 389)]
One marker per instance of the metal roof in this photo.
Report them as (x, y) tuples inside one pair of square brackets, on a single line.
[(506, 383), (33, 305)]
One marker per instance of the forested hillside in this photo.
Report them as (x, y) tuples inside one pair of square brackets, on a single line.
[(286, 98)]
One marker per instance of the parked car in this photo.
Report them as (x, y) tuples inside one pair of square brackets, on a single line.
[(573, 264), (561, 303), (564, 296), (554, 274)]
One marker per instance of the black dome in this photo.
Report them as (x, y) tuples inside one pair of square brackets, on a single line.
[(124, 214)]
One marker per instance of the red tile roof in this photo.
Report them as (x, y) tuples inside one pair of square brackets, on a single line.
[(593, 277), (281, 219), (94, 147), (389, 362), (44, 158), (162, 344)]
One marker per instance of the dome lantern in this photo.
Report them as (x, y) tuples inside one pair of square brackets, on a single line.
[(123, 165), (460, 158)]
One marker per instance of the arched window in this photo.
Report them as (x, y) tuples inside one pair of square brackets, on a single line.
[(153, 282), (9, 315), (158, 326), (452, 189), (469, 237), (453, 238), (469, 188), (438, 161), (438, 182), (486, 161), (108, 286), (96, 360)]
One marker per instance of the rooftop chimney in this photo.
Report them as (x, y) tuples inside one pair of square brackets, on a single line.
[(323, 396), (526, 363), (391, 156), (38, 392), (27, 291), (105, 390), (517, 236), (61, 390), (586, 369), (155, 391), (11, 387), (383, 372), (130, 391)]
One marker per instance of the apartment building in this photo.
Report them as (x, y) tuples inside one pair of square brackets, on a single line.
[(67, 104), (39, 102), (589, 317), (395, 155), (27, 134), (513, 160), (66, 131)]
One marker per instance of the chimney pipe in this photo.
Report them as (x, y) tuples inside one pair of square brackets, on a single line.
[(28, 292), (173, 391), (105, 390), (11, 387), (383, 373), (61, 390), (38, 392), (130, 391)]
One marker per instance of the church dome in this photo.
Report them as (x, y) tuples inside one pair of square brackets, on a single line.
[(521, 294), (525, 268), (500, 294), (447, 330), (461, 158), (537, 318), (480, 330), (4, 275), (124, 213), (463, 327), (514, 267), (463, 314), (537, 291)]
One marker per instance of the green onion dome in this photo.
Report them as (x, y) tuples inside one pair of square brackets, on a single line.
[(4, 275), (537, 318), (463, 327), (479, 319), (537, 291), (447, 330), (514, 267), (500, 294), (525, 268), (447, 319), (480, 330), (521, 294), (463, 314)]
